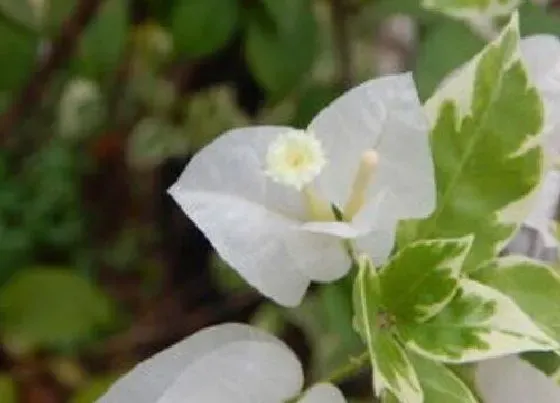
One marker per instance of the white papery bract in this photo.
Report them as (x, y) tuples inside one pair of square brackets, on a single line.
[(541, 54), (280, 238), (229, 363), (512, 380)]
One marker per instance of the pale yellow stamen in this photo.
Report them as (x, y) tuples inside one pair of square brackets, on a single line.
[(366, 169), (319, 209)]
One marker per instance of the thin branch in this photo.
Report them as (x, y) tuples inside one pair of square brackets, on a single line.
[(61, 49), (339, 18)]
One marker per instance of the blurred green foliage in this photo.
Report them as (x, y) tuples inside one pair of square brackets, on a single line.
[(151, 80)]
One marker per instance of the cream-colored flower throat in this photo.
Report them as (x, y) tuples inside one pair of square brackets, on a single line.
[(295, 158)]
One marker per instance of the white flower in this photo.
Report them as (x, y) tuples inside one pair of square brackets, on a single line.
[(541, 54), (512, 380), (263, 196), (229, 363)]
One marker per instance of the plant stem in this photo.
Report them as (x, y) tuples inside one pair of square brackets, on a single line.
[(351, 368)]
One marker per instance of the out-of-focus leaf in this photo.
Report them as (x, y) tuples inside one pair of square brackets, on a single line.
[(20, 12), (7, 389), (225, 278), (80, 111), (52, 308), (547, 362), (56, 12), (94, 389), (153, 140), (446, 46), (103, 43), (536, 20), (472, 10), (18, 48), (311, 101), (210, 113), (201, 27), (384, 8), (281, 49)]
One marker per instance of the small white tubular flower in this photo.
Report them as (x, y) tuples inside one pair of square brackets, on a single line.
[(264, 196), (229, 363), (512, 380), (295, 158)]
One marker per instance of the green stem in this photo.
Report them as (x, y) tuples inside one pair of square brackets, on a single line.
[(351, 368), (340, 374)]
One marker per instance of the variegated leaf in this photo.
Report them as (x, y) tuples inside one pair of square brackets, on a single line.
[(422, 278), (487, 124), (392, 370), (439, 383), (479, 323), (532, 285)]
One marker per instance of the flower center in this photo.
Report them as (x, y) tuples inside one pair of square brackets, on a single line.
[(295, 158)]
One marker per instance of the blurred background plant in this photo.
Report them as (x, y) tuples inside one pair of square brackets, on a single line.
[(102, 102)]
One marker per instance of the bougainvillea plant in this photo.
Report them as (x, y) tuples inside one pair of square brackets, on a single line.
[(415, 203)]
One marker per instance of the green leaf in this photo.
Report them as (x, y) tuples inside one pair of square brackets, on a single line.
[(56, 12), (94, 389), (534, 20), (548, 362), (439, 383), (534, 286), (280, 53), (48, 307), (18, 48), (479, 323), (19, 12), (445, 47), (101, 47), (486, 122), (472, 9), (201, 27), (8, 389), (433, 265), (392, 369), (366, 298)]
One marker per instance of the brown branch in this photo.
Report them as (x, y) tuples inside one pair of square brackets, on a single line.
[(339, 17), (59, 52)]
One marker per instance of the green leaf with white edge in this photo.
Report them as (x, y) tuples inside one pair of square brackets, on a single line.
[(478, 324), (439, 383), (486, 127), (472, 9), (422, 278), (548, 362), (534, 286), (366, 298), (392, 369), (201, 27), (270, 47), (52, 308)]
